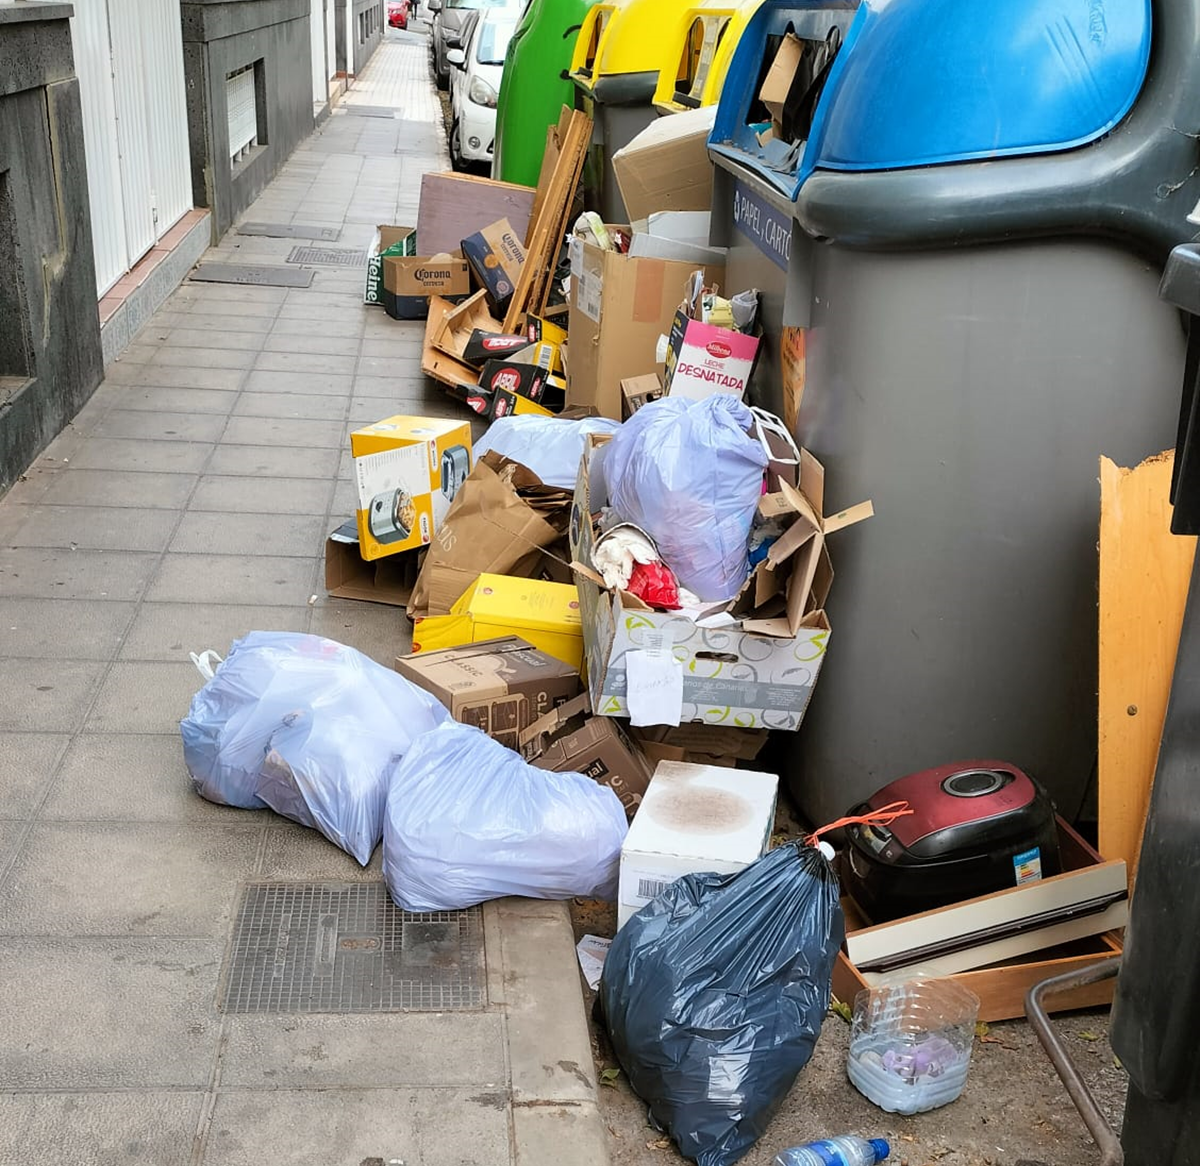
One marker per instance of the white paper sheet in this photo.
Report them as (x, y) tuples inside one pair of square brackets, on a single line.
[(592, 951), (655, 688)]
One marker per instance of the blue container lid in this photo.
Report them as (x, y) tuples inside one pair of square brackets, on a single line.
[(881, 1148), (929, 82), (923, 82)]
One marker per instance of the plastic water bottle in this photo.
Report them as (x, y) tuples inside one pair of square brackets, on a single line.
[(843, 1151)]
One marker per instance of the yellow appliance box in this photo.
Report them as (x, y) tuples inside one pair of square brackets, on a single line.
[(544, 614), (408, 470)]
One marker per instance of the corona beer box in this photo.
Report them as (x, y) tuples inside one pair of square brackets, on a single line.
[(408, 470), (409, 281)]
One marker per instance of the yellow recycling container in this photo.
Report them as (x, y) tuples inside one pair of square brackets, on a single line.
[(619, 54), (703, 41)]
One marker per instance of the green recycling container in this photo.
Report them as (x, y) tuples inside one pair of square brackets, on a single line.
[(532, 97)]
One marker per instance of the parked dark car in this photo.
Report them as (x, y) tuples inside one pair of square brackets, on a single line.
[(452, 23)]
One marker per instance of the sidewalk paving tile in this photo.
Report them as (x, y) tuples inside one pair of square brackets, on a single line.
[(151, 1129), (269, 580), (55, 573), (47, 695), (124, 777), (144, 1019), (27, 765), (235, 494), (103, 528), (250, 534), (169, 631), (62, 629), (145, 878)]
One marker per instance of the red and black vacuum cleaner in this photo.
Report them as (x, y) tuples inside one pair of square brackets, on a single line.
[(975, 827)]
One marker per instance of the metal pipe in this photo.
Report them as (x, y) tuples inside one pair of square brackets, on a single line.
[(1102, 1133)]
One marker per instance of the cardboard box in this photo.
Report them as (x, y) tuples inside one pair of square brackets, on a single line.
[(349, 576), (639, 391), (706, 744), (484, 345), (676, 235), (500, 686), (538, 328), (750, 664), (516, 388), (544, 614), (460, 324), (409, 281), (459, 379), (1001, 988), (694, 818), (568, 740), (388, 241), (408, 470), (778, 82), (454, 206), (496, 256), (620, 306), (666, 167), (703, 359)]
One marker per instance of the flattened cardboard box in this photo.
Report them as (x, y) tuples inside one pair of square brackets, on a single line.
[(757, 671), (500, 686), (568, 741)]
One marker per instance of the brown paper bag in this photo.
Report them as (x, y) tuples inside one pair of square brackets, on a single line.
[(500, 517)]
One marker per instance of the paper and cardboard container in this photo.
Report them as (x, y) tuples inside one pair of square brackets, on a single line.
[(666, 167), (496, 255), (703, 359), (1001, 987), (500, 686), (620, 306), (568, 740), (388, 241), (349, 576), (410, 281), (753, 666), (544, 614), (407, 470), (694, 818)]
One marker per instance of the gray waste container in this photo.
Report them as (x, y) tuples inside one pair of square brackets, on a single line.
[(966, 237)]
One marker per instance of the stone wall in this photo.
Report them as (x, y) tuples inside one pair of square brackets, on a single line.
[(50, 360), (221, 37)]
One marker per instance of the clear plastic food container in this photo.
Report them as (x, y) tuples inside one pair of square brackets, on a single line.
[(910, 1043)]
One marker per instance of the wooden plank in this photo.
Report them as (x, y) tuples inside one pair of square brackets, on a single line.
[(1144, 575), (1001, 989), (547, 231), (546, 171)]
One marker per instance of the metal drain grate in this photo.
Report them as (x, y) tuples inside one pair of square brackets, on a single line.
[(369, 110), (261, 275), (346, 947), (327, 256), (291, 231)]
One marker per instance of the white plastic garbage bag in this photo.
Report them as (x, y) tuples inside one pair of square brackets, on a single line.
[(550, 446), (468, 820), (306, 726), (690, 475)]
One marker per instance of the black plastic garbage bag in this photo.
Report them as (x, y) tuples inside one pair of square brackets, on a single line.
[(714, 994)]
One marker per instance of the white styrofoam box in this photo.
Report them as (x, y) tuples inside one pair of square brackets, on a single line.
[(694, 818)]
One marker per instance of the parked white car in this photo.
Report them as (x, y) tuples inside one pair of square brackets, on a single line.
[(475, 83)]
